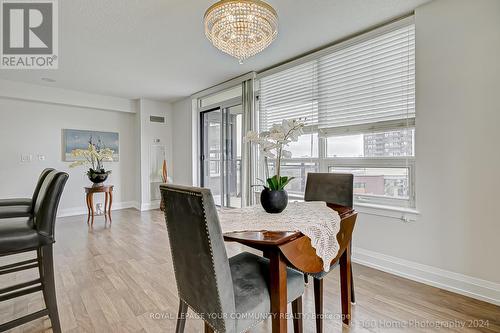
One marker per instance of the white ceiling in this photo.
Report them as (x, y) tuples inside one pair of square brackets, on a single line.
[(157, 48)]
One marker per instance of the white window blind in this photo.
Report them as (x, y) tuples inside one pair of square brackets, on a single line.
[(359, 95), (364, 84), (290, 94), (371, 82)]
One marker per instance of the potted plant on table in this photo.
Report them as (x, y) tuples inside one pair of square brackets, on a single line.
[(93, 157), (272, 143)]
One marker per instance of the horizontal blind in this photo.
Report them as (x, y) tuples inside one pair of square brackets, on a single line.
[(290, 94), (369, 84)]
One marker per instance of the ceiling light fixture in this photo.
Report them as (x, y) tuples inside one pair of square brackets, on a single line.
[(241, 28)]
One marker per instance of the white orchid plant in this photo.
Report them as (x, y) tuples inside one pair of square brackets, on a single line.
[(272, 145), (93, 157)]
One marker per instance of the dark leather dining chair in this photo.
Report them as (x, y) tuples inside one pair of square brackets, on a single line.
[(333, 188), (231, 295), (34, 233), (22, 207)]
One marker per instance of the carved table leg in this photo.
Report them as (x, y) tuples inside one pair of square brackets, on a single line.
[(105, 205), (110, 203), (91, 202), (345, 285), (278, 288), (87, 199)]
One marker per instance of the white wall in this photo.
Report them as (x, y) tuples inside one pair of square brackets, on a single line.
[(457, 154), (36, 128), (152, 134), (31, 121), (31, 92), (183, 159), (454, 242)]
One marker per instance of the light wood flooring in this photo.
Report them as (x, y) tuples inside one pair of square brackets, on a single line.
[(120, 279)]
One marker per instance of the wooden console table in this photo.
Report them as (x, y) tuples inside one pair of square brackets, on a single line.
[(108, 194)]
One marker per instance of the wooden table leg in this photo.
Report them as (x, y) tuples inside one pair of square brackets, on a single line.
[(345, 285), (87, 199), (318, 303), (278, 288), (353, 295), (109, 207), (208, 329), (91, 202), (298, 325), (105, 204)]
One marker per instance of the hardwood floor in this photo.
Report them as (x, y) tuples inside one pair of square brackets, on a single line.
[(120, 279)]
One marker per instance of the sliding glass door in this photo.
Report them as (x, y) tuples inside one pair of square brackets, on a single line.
[(221, 148), (211, 157)]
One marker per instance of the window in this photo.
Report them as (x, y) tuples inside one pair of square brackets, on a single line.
[(358, 102), (305, 147), (382, 185), (382, 144), (299, 170)]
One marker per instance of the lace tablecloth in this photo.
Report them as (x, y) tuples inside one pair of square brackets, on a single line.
[(314, 219)]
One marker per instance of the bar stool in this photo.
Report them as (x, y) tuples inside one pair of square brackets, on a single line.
[(22, 207), (34, 233)]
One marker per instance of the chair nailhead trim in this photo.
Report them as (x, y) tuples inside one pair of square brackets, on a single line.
[(213, 263), (173, 261)]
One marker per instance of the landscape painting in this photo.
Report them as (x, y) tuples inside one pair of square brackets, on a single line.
[(79, 139)]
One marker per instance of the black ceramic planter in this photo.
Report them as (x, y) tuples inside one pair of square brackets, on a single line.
[(97, 177), (273, 201)]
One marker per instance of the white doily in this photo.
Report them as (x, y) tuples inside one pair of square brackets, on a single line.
[(314, 219)]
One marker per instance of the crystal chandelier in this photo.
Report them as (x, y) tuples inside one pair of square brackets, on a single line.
[(241, 28)]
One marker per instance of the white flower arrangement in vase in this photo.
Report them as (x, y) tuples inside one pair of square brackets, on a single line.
[(272, 145), (93, 157)]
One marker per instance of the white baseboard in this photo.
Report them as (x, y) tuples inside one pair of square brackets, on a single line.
[(150, 205), (116, 206), (83, 210), (461, 284)]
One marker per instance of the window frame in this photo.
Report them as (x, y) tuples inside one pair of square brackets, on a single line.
[(325, 163), (371, 202), (407, 162)]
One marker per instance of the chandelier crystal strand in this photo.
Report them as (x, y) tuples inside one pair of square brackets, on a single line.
[(241, 28)]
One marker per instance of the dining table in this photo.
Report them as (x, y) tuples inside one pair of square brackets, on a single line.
[(294, 249)]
